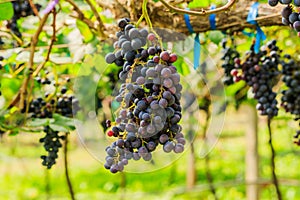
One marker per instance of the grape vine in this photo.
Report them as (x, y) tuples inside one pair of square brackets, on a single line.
[(260, 71)]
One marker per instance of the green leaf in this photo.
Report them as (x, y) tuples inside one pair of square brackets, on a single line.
[(234, 88), (36, 122), (216, 36), (181, 66), (59, 128), (65, 122), (85, 31), (6, 10), (199, 3), (14, 132)]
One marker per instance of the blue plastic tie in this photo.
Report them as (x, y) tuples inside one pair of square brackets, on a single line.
[(197, 45), (197, 51), (212, 19), (260, 35), (188, 23)]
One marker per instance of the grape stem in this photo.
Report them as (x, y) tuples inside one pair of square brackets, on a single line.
[(145, 16), (274, 176), (229, 4), (137, 24)]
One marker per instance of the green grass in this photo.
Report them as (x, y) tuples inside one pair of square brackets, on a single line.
[(23, 177)]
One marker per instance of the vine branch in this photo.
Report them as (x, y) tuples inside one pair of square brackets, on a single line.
[(72, 194), (81, 15), (53, 40), (34, 9), (198, 13), (100, 23), (28, 73), (232, 20), (273, 167)]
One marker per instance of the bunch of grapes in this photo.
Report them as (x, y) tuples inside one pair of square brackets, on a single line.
[(289, 16), (260, 71), (230, 54), (61, 103), (52, 143), (22, 8), (291, 96), (149, 99)]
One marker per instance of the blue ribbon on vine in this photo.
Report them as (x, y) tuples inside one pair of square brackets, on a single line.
[(212, 18), (260, 35), (197, 45)]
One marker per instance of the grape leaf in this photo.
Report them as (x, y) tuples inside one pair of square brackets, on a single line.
[(59, 128), (65, 122), (216, 36), (36, 122), (234, 88), (85, 31), (181, 66), (199, 3), (6, 10)]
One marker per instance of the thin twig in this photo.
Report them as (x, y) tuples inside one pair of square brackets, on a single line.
[(100, 23), (198, 13), (34, 9), (81, 15), (273, 168), (53, 39), (67, 168)]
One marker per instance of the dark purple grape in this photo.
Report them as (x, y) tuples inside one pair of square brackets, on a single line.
[(178, 148), (273, 2), (285, 1), (296, 26), (163, 138), (110, 58), (285, 21), (165, 56), (151, 146), (122, 23), (293, 17), (152, 50), (286, 12), (297, 3), (168, 146)]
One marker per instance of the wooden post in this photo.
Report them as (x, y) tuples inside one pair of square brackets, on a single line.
[(191, 168), (251, 158)]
